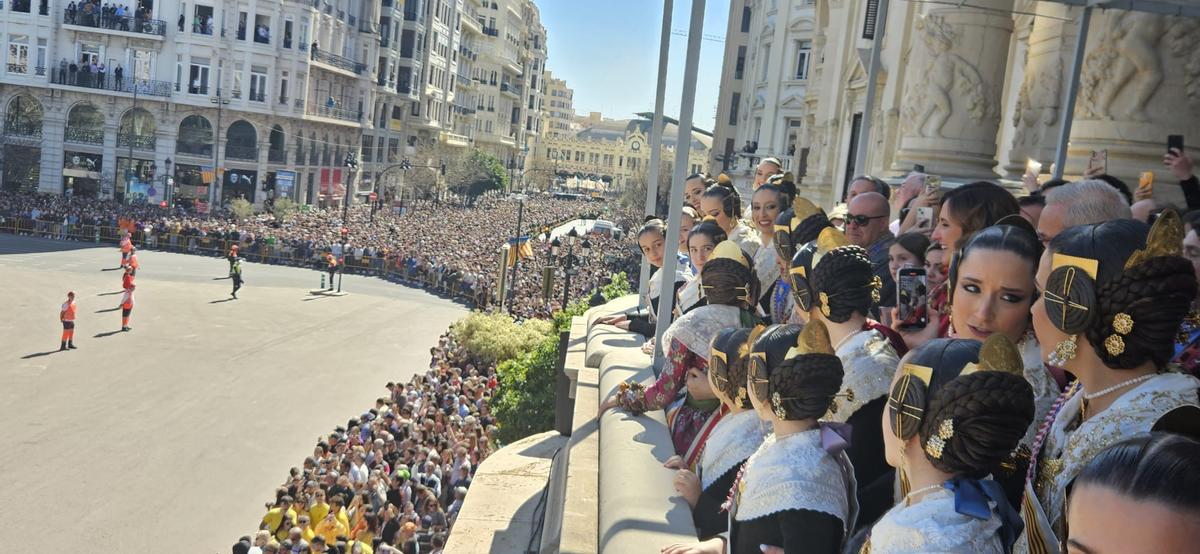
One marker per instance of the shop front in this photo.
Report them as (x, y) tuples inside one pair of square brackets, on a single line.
[(239, 183), (137, 184), (81, 174)]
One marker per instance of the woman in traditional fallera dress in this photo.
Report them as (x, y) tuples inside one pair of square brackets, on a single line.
[(654, 246), (768, 201), (956, 410), (838, 287), (797, 491), (1113, 298), (729, 285), (733, 440), (722, 202), (701, 240)]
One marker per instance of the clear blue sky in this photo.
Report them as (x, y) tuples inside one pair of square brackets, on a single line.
[(607, 51)]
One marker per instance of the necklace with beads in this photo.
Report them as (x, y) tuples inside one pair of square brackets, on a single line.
[(1109, 390), (908, 497)]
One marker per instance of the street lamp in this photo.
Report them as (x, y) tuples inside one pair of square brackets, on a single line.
[(569, 260), (168, 183), (351, 164)]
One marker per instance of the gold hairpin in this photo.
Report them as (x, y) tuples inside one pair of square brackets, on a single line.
[(998, 353), (1088, 265), (1165, 239), (731, 251), (813, 339)]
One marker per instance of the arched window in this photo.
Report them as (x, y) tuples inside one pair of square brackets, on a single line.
[(195, 137), (278, 149), (241, 142), (85, 124), (137, 129), (23, 117), (299, 149)]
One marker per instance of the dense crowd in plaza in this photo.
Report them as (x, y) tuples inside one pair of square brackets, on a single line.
[(451, 248), (931, 368)]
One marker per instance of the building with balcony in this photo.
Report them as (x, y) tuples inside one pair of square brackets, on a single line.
[(188, 103), (761, 105), (559, 117)]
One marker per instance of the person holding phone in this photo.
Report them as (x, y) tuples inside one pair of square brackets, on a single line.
[(1182, 168)]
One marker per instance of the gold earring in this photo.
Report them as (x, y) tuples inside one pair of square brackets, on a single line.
[(1063, 352)]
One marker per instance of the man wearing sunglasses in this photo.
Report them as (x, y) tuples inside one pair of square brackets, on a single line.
[(867, 221)]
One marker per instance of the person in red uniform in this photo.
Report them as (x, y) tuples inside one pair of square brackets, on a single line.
[(127, 307), (127, 278), (126, 247), (67, 316), (132, 260)]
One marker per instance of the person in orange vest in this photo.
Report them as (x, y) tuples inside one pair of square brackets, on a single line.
[(127, 279), (126, 247), (233, 254), (67, 316), (132, 261), (332, 261), (127, 307)]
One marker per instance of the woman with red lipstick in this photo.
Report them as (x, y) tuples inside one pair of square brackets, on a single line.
[(768, 202)]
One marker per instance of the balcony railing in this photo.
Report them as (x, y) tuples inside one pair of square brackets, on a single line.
[(198, 89), (343, 114), (277, 156), (202, 29), (338, 61), (248, 153), (23, 129), (106, 81), (140, 142), (156, 27), (201, 149), (491, 31), (83, 135), (463, 80)]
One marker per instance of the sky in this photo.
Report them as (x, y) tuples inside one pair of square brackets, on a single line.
[(607, 51)]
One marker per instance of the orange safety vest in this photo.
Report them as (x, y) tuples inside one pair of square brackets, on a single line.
[(68, 311), (127, 299)]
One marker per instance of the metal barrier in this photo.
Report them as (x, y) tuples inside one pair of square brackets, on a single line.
[(391, 268)]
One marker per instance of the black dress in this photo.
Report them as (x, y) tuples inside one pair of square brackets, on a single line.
[(734, 439), (794, 495)]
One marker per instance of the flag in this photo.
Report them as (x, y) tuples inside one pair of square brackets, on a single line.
[(519, 249)]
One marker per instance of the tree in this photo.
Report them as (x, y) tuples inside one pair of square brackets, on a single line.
[(634, 197), (482, 172), (283, 208), (241, 208)]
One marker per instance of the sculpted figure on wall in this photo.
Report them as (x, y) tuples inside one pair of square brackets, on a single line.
[(1038, 103), (951, 83), (1127, 59)]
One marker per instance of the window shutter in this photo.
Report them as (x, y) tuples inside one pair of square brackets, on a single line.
[(869, 20)]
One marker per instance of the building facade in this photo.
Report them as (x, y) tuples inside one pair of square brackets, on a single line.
[(975, 93), (559, 117), (610, 155), (203, 102)]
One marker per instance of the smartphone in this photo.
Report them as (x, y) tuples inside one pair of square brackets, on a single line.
[(925, 217), (1033, 167), (1099, 160), (912, 297), (933, 183), (1146, 181), (1173, 142)]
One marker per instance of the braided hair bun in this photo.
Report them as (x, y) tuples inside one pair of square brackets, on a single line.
[(729, 376), (843, 283), (728, 277), (804, 384), (723, 190), (967, 402)]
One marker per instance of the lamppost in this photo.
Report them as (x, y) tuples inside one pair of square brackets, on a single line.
[(548, 269), (514, 251), (168, 184), (351, 166), (212, 191), (569, 259)]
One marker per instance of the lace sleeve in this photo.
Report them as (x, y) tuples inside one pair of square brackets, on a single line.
[(637, 398)]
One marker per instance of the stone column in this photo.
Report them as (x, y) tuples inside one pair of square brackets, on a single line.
[(1140, 82), (950, 113), (54, 124), (1047, 61)]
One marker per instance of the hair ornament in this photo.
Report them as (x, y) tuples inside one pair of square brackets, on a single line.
[(937, 442), (1165, 239), (998, 353), (824, 298), (731, 251), (777, 405), (802, 208), (876, 286), (1070, 294), (1122, 324), (813, 339)]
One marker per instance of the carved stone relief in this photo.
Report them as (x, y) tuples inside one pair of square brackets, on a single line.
[(948, 83)]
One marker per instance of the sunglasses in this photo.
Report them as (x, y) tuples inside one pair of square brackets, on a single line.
[(862, 220)]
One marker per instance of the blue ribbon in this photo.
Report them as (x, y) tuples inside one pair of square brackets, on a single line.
[(971, 498), (835, 437)]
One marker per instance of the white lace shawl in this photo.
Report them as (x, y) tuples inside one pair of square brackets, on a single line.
[(1045, 389), (697, 328), (868, 363), (766, 267), (746, 238), (793, 473), (932, 525), (732, 441), (1132, 414), (690, 293)]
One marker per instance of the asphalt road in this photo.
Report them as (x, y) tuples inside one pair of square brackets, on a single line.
[(172, 436)]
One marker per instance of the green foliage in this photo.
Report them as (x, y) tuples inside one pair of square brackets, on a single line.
[(241, 208), (495, 337), (617, 288), (524, 400), (484, 172), (562, 318), (283, 209)]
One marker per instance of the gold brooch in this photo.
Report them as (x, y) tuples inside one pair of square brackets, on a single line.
[(1115, 345), (1122, 323), (937, 443), (824, 298), (876, 285)]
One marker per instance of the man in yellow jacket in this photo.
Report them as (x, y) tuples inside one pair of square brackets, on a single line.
[(280, 519)]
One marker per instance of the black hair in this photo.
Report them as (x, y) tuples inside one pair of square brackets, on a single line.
[(709, 229), (1035, 199), (784, 185), (988, 411), (728, 282), (730, 378), (1117, 184), (653, 226), (1016, 239), (1159, 467), (1051, 184), (915, 243), (806, 383), (978, 205), (1156, 294), (731, 203), (845, 276)]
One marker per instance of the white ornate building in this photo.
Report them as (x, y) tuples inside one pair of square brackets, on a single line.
[(264, 97), (973, 92)]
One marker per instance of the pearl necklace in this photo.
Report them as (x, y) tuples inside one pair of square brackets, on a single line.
[(908, 497), (1118, 386), (846, 338)]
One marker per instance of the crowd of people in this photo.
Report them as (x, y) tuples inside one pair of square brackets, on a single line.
[(1029, 380), (393, 479), (450, 248)]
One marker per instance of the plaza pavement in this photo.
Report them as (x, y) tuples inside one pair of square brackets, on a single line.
[(172, 436)]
